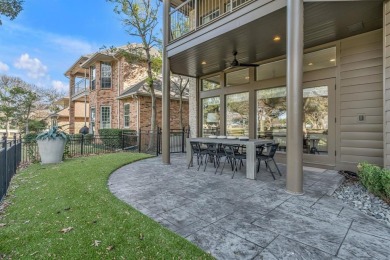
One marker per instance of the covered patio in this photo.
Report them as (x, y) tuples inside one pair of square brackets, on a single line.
[(251, 219)]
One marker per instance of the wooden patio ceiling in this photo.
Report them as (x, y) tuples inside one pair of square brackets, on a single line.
[(324, 22)]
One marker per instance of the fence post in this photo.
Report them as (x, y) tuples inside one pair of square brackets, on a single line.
[(15, 152), (82, 143), (158, 141), (123, 141), (182, 139), (5, 162), (139, 140)]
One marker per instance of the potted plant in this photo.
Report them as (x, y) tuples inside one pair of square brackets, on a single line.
[(51, 145)]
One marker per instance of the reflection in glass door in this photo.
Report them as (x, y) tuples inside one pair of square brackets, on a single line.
[(318, 129)]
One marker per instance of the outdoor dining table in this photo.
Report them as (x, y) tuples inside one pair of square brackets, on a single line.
[(250, 145)]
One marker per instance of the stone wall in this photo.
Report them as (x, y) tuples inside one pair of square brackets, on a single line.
[(193, 108)]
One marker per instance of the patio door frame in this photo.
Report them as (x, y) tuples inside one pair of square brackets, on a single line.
[(330, 158)]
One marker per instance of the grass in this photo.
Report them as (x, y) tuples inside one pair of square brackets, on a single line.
[(45, 199)]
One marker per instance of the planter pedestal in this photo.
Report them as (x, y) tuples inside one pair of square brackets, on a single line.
[(51, 151)]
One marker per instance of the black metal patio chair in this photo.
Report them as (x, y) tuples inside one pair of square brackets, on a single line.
[(198, 152), (267, 157), (214, 154), (233, 157)]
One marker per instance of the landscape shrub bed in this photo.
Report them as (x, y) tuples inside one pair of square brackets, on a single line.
[(375, 179)]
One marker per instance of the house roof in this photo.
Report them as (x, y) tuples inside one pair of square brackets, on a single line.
[(141, 89), (85, 61)]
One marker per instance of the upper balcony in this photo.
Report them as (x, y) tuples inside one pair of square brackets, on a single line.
[(80, 89), (195, 14)]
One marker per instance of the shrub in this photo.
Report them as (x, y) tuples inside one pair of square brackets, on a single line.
[(375, 179), (111, 137), (88, 138), (30, 138)]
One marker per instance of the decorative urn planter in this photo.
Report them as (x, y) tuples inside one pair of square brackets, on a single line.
[(51, 151), (51, 145)]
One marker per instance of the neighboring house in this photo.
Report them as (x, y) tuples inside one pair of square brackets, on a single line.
[(81, 116), (115, 93), (346, 76)]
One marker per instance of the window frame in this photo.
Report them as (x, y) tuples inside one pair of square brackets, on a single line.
[(103, 83), (126, 116), (101, 117), (92, 76)]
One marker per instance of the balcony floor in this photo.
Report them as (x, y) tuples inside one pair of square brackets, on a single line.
[(250, 219)]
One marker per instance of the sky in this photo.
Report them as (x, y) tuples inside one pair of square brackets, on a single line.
[(48, 36)]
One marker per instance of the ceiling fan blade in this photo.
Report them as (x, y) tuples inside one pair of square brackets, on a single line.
[(248, 65)]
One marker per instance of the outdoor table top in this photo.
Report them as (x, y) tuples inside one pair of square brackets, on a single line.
[(231, 141)]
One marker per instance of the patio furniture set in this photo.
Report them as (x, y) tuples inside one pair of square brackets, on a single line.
[(234, 151)]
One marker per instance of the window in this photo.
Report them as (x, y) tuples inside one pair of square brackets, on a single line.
[(105, 117), (237, 114), (93, 120), (126, 114), (106, 75), (210, 110), (311, 61), (92, 71), (237, 77), (210, 16), (210, 83), (272, 116)]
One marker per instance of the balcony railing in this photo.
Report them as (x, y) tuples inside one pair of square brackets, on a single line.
[(193, 14), (80, 87)]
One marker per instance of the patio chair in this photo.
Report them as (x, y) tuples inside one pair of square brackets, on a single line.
[(267, 157), (214, 154), (233, 157), (199, 152)]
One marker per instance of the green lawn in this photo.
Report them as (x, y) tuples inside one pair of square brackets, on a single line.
[(47, 199)]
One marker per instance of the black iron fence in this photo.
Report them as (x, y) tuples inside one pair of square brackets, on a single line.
[(10, 158), (177, 140), (25, 150)]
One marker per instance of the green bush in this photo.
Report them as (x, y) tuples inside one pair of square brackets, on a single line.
[(375, 179), (111, 137), (30, 138), (88, 138), (386, 182)]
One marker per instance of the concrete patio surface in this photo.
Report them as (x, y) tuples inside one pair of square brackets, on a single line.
[(251, 219)]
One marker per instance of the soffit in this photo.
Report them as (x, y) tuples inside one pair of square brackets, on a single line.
[(323, 23)]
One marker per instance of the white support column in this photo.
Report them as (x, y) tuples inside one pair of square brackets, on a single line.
[(294, 96), (166, 153)]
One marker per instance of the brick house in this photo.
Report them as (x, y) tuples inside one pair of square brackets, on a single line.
[(115, 93)]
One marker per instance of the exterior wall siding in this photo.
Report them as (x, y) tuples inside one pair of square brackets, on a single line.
[(386, 83), (361, 81)]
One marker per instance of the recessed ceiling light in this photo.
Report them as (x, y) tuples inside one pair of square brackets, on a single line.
[(246, 77), (276, 38), (204, 63), (310, 64), (332, 60)]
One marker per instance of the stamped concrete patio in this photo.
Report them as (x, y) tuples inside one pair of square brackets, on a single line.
[(247, 219)]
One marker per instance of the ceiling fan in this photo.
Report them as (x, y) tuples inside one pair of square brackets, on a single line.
[(235, 63)]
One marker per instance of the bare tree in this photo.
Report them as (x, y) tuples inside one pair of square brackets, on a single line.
[(180, 86), (139, 18)]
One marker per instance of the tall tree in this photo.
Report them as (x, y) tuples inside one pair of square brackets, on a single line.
[(139, 18), (180, 86), (10, 8)]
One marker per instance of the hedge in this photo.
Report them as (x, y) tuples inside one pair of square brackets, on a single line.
[(111, 137), (375, 179)]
